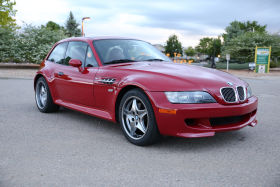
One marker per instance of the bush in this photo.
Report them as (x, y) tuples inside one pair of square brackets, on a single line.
[(273, 64), (235, 66), (30, 44), (7, 37)]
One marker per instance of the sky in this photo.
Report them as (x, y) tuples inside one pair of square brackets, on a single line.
[(152, 20)]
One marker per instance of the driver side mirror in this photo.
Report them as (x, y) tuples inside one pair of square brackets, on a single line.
[(75, 63)]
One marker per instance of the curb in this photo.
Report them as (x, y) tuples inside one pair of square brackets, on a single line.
[(274, 69), (18, 66)]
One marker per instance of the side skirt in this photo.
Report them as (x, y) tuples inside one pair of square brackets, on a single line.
[(86, 110)]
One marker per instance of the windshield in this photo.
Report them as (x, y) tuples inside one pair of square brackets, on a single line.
[(113, 51)]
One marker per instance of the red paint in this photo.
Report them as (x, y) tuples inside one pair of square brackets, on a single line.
[(80, 88), (75, 63)]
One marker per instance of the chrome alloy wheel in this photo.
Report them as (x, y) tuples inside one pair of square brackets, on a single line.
[(41, 95), (135, 117)]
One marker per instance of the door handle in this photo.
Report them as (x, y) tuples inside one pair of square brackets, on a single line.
[(60, 73)]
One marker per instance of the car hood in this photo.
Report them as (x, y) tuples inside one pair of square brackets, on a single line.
[(166, 76)]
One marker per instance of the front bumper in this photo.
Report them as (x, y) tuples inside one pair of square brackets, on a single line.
[(202, 120)]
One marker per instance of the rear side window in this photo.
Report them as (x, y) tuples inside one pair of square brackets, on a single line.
[(76, 50), (58, 53)]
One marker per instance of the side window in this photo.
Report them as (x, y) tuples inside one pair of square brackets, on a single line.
[(76, 50), (58, 53), (90, 59)]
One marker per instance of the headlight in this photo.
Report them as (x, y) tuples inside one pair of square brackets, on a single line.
[(249, 92), (189, 97)]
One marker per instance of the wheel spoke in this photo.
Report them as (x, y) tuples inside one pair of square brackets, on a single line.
[(127, 112), (43, 90), (41, 100), (128, 121), (142, 113), (132, 128), (141, 127), (134, 107), (44, 98), (129, 117)]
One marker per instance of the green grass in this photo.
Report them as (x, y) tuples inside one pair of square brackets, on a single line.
[(236, 66)]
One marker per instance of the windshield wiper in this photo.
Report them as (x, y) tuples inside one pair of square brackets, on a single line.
[(119, 61), (154, 59)]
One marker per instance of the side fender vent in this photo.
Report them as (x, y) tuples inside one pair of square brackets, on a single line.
[(107, 80)]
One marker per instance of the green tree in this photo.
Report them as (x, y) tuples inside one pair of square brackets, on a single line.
[(72, 26), (241, 38), (7, 13), (243, 47), (209, 46), (190, 51), (275, 47), (204, 45), (237, 28), (252, 27), (217, 46), (173, 45), (232, 31), (53, 26)]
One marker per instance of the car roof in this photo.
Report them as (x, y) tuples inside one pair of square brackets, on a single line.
[(89, 39)]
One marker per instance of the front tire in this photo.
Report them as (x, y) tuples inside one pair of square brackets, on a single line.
[(43, 97), (137, 118)]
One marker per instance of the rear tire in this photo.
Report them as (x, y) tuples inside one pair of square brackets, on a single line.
[(43, 97), (137, 118)]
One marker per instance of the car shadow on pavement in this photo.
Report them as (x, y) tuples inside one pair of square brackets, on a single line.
[(220, 140), (90, 121)]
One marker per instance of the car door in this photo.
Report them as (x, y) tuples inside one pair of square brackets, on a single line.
[(56, 57), (75, 84)]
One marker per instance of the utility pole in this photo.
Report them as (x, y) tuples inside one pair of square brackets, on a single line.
[(84, 18)]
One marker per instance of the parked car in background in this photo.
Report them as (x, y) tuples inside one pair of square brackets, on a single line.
[(252, 65), (130, 82)]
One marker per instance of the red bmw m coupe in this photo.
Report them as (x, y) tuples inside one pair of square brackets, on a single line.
[(130, 82)]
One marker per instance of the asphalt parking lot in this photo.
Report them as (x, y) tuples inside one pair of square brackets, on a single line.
[(69, 148)]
